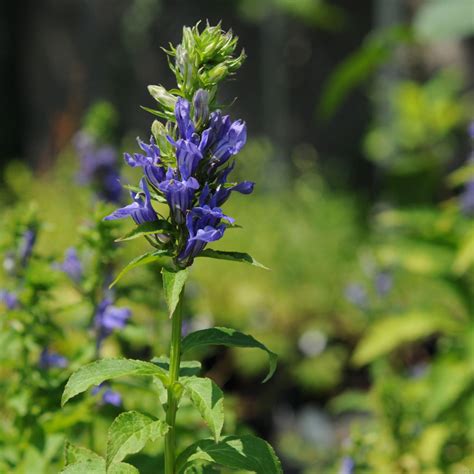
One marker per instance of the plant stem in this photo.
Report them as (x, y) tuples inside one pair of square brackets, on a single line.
[(172, 407)]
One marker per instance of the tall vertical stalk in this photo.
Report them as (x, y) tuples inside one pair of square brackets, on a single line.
[(173, 393)]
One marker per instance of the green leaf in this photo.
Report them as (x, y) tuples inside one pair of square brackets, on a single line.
[(386, 335), (173, 284), (187, 368), (93, 466), (227, 337), (122, 468), (96, 372), (74, 454), (235, 452), (208, 398), (147, 228), (129, 433), (144, 259), (232, 256)]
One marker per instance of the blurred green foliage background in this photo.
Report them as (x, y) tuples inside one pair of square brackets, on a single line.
[(363, 211)]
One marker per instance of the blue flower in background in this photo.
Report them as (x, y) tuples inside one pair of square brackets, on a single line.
[(383, 282), (71, 265), (26, 247), (109, 318), (347, 465), (109, 396), (140, 210), (49, 359), (467, 199), (99, 166), (356, 294), (10, 299)]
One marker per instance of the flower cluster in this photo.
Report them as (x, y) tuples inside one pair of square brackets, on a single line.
[(195, 186)]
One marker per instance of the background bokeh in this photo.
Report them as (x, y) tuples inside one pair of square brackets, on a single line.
[(361, 146)]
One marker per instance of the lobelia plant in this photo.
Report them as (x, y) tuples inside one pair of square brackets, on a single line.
[(186, 168)]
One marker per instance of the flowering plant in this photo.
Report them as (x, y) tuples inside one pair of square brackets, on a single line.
[(186, 167)]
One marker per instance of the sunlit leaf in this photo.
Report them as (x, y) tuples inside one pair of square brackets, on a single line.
[(245, 452), (232, 256), (227, 337), (105, 369), (208, 398), (173, 284), (129, 433), (148, 228), (146, 258)]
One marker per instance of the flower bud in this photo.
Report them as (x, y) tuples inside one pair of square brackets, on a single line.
[(162, 96), (217, 74), (201, 107)]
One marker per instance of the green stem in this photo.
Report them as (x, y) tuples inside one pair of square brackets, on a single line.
[(173, 396)]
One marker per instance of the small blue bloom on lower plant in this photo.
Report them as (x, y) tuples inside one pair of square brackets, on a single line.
[(109, 318), (27, 244), (108, 396), (49, 359), (347, 465), (9, 299), (71, 265)]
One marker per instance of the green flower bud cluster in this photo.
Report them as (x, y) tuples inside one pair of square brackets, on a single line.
[(203, 59)]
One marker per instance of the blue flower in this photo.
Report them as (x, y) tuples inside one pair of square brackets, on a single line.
[(179, 195), (98, 167), (109, 318), (356, 294), (201, 107), (10, 299), (27, 244), (140, 210), (204, 226), (347, 465), (109, 396), (71, 265), (49, 359), (223, 191), (183, 119), (383, 282), (188, 157)]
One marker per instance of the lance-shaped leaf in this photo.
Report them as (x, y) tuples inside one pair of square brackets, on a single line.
[(208, 398), (187, 368), (227, 337), (148, 228), (232, 256), (173, 284), (129, 433), (97, 372), (235, 452), (144, 259)]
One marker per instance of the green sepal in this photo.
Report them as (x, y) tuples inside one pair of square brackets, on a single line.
[(231, 256), (148, 228), (227, 337), (146, 258)]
